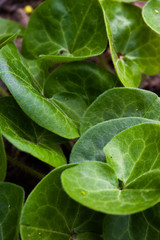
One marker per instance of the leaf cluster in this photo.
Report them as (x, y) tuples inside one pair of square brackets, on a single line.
[(112, 182)]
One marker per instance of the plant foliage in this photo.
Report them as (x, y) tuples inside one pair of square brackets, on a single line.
[(110, 186)]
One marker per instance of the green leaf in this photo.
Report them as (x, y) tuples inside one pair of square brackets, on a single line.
[(128, 1), (121, 102), (3, 160), (88, 236), (60, 114), (50, 214), (8, 30), (26, 135), (9, 39), (129, 182), (117, 227), (82, 78), (57, 28), (151, 14), (143, 226), (90, 145), (11, 201), (38, 69), (135, 48)]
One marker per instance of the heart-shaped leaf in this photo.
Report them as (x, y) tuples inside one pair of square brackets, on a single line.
[(121, 102), (151, 14), (135, 48), (90, 145), (9, 30), (57, 28), (50, 214), (82, 78), (59, 115), (11, 201), (129, 182), (143, 226), (26, 135), (3, 160)]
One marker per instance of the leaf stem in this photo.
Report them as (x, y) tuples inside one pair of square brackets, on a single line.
[(25, 168)]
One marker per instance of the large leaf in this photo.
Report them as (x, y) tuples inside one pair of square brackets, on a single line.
[(121, 102), (82, 78), (9, 30), (135, 48), (62, 30), (3, 160), (129, 182), (143, 226), (90, 145), (50, 214), (151, 14), (26, 135), (60, 115), (11, 201)]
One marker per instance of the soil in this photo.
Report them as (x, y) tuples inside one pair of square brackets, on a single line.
[(14, 9)]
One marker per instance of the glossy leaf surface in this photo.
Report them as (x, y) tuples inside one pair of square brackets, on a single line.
[(90, 145), (26, 135), (134, 46), (151, 14), (50, 214), (144, 226), (11, 201), (82, 78), (121, 102), (57, 28), (3, 160), (60, 115), (129, 182)]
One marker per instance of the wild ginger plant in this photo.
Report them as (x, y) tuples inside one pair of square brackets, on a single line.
[(110, 187)]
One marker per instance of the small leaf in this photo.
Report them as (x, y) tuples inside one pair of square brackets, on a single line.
[(11, 201), (129, 182), (9, 29), (143, 226), (82, 78), (121, 102), (50, 214), (9, 39), (134, 46), (57, 28), (26, 135), (151, 14), (3, 160), (90, 145)]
